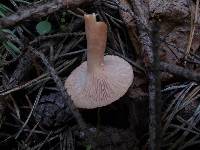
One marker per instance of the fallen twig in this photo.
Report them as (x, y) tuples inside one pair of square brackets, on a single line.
[(180, 71), (60, 85), (38, 11), (149, 38), (194, 21)]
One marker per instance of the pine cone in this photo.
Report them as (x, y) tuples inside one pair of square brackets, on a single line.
[(52, 110)]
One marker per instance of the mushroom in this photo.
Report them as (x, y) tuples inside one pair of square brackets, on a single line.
[(100, 80)]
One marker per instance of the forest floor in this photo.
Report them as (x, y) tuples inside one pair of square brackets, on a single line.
[(42, 42)]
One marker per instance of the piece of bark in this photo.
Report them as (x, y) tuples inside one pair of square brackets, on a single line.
[(176, 10), (179, 11), (128, 17)]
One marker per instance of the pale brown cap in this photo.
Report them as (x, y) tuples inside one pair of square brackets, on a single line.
[(100, 80)]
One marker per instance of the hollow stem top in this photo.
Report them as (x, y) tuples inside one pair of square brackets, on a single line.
[(96, 35)]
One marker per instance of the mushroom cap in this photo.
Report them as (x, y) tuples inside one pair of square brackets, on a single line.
[(101, 87)]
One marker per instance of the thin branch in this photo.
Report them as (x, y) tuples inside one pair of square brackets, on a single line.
[(149, 40), (63, 91), (180, 71), (38, 11), (193, 26)]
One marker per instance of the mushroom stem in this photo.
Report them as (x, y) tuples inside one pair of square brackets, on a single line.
[(96, 34)]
